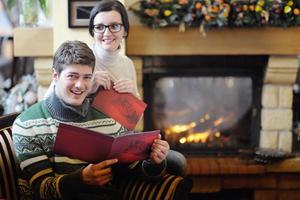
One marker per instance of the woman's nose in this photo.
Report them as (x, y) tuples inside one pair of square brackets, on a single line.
[(107, 31)]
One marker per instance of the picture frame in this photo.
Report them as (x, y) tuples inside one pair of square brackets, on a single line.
[(79, 12)]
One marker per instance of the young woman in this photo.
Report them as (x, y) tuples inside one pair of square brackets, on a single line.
[(108, 26)]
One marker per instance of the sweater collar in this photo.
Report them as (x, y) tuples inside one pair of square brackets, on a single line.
[(64, 112), (105, 58)]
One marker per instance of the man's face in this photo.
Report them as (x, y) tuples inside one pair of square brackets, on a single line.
[(73, 84)]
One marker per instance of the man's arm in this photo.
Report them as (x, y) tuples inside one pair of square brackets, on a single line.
[(34, 158)]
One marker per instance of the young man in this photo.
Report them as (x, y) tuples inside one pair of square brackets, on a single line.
[(54, 176)]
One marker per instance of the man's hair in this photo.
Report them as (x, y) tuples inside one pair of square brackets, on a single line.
[(109, 5), (73, 52)]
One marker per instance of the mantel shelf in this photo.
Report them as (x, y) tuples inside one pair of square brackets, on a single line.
[(144, 41), (33, 42)]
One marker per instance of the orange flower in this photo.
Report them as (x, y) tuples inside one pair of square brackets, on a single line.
[(219, 1), (215, 9), (245, 7), (251, 7), (207, 17), (151, 12), (198, 6), (183, 2), (296, 11)]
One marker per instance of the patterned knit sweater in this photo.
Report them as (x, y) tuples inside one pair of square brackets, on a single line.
[(54, 176)]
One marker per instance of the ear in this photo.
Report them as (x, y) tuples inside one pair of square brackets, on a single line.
[(55, 75), (125, 34)]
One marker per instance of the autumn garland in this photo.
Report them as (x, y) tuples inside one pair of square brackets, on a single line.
[(217, 13)]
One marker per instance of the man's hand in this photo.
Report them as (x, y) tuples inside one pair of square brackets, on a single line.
[(124, 86), (159, 151), (98, 174)]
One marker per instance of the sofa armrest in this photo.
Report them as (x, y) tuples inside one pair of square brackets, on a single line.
[(8, 167), (168, 187)]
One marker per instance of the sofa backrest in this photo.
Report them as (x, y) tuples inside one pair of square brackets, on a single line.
[(8, 167)]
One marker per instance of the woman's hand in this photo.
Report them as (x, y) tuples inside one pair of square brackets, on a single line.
[(159, 151), (98, 174), (101, 78), (124, 86)]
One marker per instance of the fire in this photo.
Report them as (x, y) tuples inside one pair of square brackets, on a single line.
[(219, 121), (186, 133), (180, 128), (195, 137)]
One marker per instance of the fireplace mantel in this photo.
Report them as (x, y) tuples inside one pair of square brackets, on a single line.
[(144, 41)]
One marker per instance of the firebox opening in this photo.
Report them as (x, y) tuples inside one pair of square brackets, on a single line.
[(204, 104)]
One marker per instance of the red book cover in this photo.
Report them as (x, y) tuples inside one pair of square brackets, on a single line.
[(93, 147), (125, 108)]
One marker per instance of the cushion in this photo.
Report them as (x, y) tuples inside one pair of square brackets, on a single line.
[(169, 187), (8, 178)]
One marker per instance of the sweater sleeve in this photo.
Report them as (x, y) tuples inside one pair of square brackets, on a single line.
[(37, 168), (132, 71), (148, 170)]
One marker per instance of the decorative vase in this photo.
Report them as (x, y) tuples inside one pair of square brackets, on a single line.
[(29, 12)]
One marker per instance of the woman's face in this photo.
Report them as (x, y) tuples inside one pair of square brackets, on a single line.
[(109, 41)]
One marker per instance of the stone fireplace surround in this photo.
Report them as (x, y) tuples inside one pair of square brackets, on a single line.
[(280, 75), (282, 46)]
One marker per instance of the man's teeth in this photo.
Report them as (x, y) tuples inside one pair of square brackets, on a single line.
[(77, 92)]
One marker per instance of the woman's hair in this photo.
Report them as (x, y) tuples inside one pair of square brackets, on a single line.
[(73, 52), (109, 5)]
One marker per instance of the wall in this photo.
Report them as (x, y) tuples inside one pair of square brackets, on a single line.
[(61, 31)]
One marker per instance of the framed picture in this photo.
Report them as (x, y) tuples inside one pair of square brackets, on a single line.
[(79, 13)]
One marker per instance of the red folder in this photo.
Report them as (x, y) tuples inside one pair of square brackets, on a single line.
[(125, 108), (93, 147)]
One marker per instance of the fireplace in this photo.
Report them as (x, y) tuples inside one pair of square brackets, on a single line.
[(204, 104)]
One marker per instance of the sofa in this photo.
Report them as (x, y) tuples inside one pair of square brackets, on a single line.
[(13, 188)]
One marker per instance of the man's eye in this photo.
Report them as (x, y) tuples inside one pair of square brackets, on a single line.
[(72, 76)]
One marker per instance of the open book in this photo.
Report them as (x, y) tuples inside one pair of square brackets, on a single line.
[(92, 146), (125, 108)]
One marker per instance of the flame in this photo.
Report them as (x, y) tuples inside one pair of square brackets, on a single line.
[(204, 118), (187, 134), (195, 137), (219, 121), (180, 128)]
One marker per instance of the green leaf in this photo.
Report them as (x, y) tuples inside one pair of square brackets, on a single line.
[(44, 6), (11, 3)]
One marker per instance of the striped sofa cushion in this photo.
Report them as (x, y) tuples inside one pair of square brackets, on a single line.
[(8, 178), (167, 188)]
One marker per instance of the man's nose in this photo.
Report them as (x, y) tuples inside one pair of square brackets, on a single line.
[(79, 83)]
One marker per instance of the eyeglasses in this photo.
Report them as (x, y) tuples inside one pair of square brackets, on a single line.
[(113, 28)]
